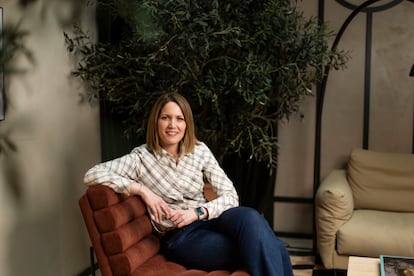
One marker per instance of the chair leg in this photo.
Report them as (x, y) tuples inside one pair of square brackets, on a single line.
[(92, 256)]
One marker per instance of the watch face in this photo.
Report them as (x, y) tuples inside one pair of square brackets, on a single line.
[(200, 211)]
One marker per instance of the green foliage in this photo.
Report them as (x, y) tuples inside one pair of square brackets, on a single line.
[(243, 65)]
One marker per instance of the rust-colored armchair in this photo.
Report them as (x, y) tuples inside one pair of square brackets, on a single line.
[(122, 237)]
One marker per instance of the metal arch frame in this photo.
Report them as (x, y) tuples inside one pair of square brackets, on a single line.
[(368, 8), (321, 87)]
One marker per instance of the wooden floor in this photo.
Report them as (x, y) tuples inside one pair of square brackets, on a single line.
[(306, 266), (302, 272), (303, 265)]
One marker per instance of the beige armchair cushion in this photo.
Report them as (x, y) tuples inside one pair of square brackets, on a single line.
[(372, 233), (382, 181)]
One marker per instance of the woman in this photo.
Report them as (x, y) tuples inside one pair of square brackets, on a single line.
[(168, 173)]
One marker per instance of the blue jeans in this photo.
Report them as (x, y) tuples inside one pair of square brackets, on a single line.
[(239, 238)]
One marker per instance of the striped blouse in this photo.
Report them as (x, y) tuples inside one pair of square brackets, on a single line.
[(179, 184)]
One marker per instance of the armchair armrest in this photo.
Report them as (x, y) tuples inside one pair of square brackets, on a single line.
[(334, 205)]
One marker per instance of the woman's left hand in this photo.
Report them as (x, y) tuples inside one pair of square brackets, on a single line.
[(182, 218)]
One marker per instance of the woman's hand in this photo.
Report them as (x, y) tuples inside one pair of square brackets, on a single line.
[(182, 218), (158, 207)]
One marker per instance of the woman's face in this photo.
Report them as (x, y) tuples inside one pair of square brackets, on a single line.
[(171, 127)]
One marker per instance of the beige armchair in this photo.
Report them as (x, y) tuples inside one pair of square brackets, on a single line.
[(367, 209)]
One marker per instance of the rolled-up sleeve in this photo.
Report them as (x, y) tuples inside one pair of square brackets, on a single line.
[(226, 193), (117, 174)]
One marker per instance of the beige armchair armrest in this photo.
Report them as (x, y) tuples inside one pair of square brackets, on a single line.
[(334, 205)]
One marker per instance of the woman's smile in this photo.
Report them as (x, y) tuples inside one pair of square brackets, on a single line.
[(171, 127)]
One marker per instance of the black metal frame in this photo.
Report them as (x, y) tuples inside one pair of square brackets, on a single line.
[(321, 87), (92, 258), (93, 265)]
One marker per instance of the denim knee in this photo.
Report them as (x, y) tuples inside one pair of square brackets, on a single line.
[(247, 214), (244, 219)]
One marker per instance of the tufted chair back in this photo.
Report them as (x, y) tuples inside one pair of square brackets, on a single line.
[(121, 235)]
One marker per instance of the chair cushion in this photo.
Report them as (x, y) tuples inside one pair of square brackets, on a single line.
[(382, 181), (125, 229), (160, 266), (372, 233), (126, 262), (114, 216), (101, 196), (120, 239), (121, 233)]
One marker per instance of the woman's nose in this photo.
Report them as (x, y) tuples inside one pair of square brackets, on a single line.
[(171, 123)]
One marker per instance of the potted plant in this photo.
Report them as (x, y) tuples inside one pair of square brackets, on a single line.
[(243, 65)]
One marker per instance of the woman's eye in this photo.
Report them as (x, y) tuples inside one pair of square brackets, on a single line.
[(180, 119)]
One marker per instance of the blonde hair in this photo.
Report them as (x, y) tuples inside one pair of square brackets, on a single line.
[(189, 141)]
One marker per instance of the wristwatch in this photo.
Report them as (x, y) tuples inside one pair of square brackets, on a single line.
[(200, 212)]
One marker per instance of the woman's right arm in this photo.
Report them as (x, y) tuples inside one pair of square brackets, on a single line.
[(118, 174), (121, 175)]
